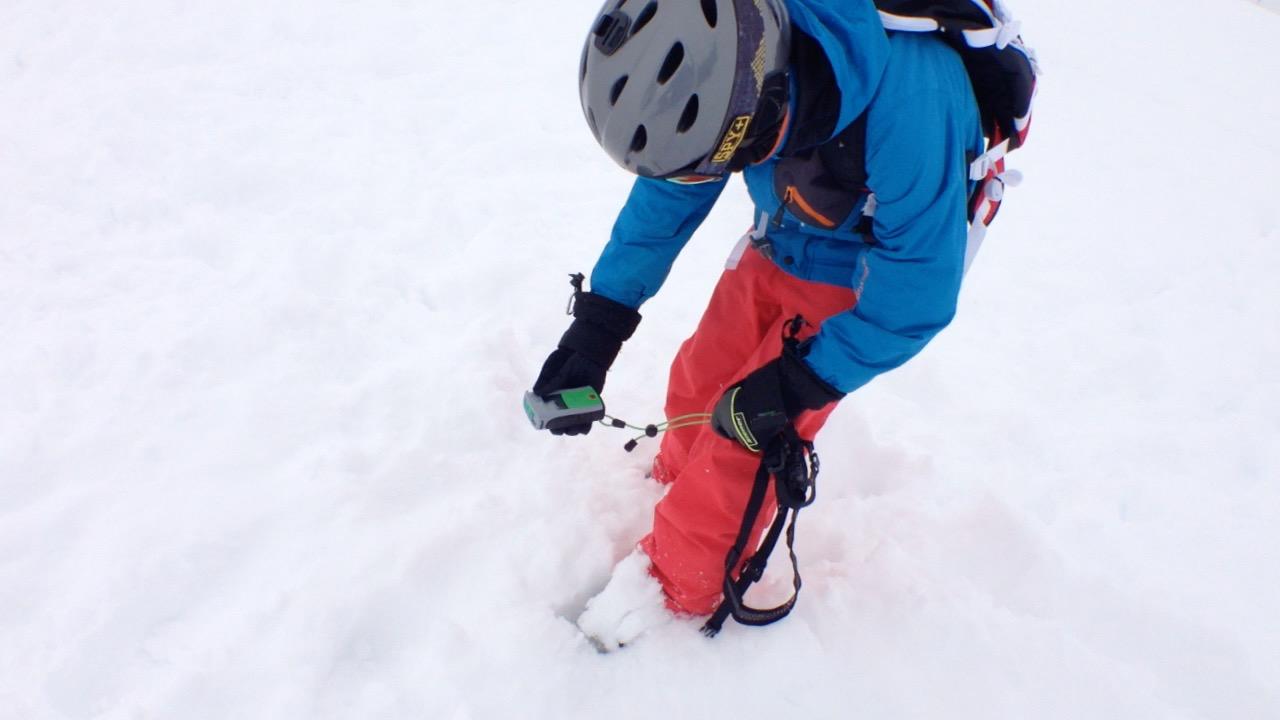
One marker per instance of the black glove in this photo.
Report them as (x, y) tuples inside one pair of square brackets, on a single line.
[(766, 402), (588, 347)]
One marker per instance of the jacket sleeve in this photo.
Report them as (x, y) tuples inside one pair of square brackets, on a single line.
[(652, 229), (908, 281)]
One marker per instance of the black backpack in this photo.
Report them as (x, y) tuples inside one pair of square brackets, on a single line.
[(1003, 71)]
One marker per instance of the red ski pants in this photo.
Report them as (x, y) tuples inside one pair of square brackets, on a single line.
[(711, 477)]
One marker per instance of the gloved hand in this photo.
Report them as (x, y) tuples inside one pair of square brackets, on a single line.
[(766, 402), (588, 347)]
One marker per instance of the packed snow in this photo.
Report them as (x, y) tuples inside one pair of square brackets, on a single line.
[(274, 277)]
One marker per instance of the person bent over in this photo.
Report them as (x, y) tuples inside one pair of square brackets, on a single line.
[(854, 145)]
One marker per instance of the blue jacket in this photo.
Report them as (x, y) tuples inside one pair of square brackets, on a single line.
[(922, 128)]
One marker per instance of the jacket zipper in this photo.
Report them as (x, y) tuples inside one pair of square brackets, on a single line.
[(793, 195)]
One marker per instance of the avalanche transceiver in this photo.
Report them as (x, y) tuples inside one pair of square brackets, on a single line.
[(563, 407)]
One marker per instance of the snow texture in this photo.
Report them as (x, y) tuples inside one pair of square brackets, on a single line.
[(631, 605), (274, 277)]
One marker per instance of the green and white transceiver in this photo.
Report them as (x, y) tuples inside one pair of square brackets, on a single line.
[(563, 407)]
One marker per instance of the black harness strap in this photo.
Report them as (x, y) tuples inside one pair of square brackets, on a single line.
[(793, 466)]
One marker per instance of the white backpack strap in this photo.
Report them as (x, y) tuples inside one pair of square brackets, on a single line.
[(989, 161), (906, 23), (999, 36), (987, 200), (977, 232)]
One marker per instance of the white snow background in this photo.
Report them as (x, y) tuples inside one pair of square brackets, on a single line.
[(274, 276)]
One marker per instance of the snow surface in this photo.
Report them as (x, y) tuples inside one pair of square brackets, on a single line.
[(275, 275)]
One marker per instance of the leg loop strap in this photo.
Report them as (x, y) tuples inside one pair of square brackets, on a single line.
[(792, 465)]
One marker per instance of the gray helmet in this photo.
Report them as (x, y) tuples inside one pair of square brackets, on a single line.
[(670, 87)]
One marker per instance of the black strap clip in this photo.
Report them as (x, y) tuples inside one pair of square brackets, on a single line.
[(576, 280)]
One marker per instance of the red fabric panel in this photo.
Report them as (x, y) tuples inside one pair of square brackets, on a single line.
[(711, 477)]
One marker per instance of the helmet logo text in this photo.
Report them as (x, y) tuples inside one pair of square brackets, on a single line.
[(732, 139)]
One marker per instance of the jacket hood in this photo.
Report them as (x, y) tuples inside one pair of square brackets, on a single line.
[(854, 40)]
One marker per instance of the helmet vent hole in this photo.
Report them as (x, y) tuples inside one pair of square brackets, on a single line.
[(710, 12), (644, 17), (689, 116), (616, 91), (639, 140), (675, 56)]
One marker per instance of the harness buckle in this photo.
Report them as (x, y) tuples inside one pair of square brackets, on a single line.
[(752, 573)]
